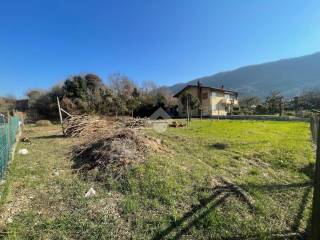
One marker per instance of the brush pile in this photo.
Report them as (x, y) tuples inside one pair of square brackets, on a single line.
[(109, 145), (113, 153), (175, 124), (135, 122), (82, 125)]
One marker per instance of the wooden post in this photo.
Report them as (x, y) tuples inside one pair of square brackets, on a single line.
[(60, 115), (315, 218), (188, 117), (22, 122), (9, 130), (296, 105), (8, 116)]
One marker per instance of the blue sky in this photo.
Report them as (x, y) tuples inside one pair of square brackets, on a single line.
[(43, 42)]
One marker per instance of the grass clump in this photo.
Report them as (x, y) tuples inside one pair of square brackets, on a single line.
[(220, 146)]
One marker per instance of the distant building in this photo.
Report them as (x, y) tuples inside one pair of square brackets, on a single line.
[(213, 101)]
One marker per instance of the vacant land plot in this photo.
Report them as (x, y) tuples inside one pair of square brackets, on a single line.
[(218, 180)]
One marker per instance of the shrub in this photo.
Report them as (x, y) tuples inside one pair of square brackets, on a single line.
[(43, 123), (261, 109)]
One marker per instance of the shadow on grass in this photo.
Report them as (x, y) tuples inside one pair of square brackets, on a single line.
[(54, 136), (308, 170), (302, 206), (285, 235), (204, 208), (277, 187), (197, 213), (219, 196), (294, 233)]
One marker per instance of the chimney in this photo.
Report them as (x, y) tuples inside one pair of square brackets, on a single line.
[(222, 86)]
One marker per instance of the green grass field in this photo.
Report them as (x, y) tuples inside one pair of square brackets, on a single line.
[(173, 195)]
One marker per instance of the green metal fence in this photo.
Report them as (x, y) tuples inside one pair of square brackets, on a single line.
[(8, 132)]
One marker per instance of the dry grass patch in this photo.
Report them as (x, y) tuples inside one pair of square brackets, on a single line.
[(43, 123)]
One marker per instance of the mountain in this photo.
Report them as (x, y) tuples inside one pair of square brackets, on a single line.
[(289, 76)]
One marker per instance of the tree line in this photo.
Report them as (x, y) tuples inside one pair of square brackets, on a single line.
[(88, 94), (276, 103), (7, 104)]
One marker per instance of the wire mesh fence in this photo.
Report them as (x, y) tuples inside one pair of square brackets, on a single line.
[(8, 132)]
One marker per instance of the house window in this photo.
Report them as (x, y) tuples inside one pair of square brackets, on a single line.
[(204, 96)]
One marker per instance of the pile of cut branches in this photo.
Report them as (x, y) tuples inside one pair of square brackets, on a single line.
[(176, 124), (82, 125), (135, 122), (114, 152)]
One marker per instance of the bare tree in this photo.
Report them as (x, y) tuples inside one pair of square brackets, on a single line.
[(148, 86), (123, 88), (7, 103)]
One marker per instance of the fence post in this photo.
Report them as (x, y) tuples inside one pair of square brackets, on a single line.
[(315, 218), (60, 115)]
